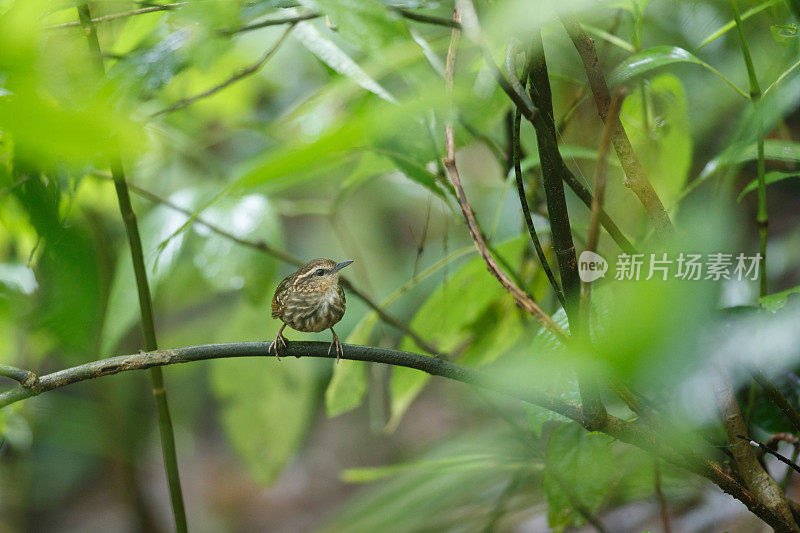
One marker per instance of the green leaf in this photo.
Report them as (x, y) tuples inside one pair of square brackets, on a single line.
[(348, 385), (774, 150), (785, 34), (657, 57), (333, 56), (662, 140), (769, 177), (366, 23), (456, 463), (228, 265), (484, 326), (577, 468), (776, 302), (419, 174), (265, 407)]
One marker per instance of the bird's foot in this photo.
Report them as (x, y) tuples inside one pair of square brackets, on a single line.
[(336, 344), (280, 340)]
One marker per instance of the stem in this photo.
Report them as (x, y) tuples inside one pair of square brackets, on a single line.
[(516, 154), (620, 429), (560, 228), (755, 95), (636, 178), (145, 304)]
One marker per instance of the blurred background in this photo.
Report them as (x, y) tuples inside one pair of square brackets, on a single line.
[(323, 138)]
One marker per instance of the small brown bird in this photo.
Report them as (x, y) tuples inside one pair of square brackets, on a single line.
[(311, 299)]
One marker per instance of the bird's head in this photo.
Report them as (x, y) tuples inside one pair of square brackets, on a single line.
[(318, 275)]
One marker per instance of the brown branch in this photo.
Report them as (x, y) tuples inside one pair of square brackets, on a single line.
[(636, 178), (287, 258), (243, 73), (522, 298), (271, 22), (600, 173), (747, 464)]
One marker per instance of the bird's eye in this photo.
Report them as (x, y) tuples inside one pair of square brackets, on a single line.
[(319, 272)]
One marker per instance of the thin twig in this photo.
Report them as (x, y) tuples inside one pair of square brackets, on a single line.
[(145, 303), (287, 258), (636, 178), (271, 22), (114, 16), (600, 173), (662, 501), (243, 73), (522, 298), (772, 452), (427, 19)]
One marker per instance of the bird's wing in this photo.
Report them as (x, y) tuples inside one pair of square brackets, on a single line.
[(278, 299)]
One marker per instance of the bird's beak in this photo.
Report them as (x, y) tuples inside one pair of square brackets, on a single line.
[(338, 266)]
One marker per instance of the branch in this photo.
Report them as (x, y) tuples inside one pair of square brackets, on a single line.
[(114, 16), (560, 227), (522, 298), (636, 178), (747, 465), (145, 303), (247, 71), (25, 378), (516, 154), (601, 174), (286, 257), (615, 427), (772, 452), (271, 22)]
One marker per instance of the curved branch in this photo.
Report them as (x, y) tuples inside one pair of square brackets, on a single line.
[(615, 427), (636, 178), (523, 299)]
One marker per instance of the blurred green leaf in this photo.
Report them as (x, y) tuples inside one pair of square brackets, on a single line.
[(776, 302), (662, 140), (483, 327), (578, 473), (774, 149), (657, 57), (68, 297), (338, 60), (784, 34), (228, 265), (265, 407), (367, 23), (769, 177), (348, 385)]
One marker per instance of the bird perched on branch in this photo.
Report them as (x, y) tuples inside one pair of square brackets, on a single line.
[(311, 299)]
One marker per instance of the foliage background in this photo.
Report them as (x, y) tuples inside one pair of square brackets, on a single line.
[(331, 150)]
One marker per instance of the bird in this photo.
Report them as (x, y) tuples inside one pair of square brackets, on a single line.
[(310, 300)]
